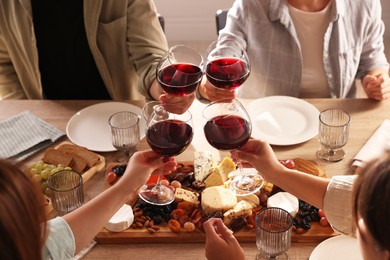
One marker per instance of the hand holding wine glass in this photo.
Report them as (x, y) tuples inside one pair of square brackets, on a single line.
[(227, 68), (228, 127), (168, 134)]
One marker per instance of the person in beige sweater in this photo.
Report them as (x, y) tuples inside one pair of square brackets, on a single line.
[(101, 49)]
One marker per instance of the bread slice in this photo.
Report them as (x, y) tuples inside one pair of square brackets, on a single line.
[(56, 157), (90, 157)]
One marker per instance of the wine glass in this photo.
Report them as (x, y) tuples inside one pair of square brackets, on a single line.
[(228, 127), (179, 70), (227, 64), (125, 134), (168, 134), (273, 233)]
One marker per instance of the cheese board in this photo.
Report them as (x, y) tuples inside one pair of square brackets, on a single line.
[(163, 233)]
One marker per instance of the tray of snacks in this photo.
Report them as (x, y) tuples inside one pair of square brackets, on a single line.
[(64, 156), (200, 193)]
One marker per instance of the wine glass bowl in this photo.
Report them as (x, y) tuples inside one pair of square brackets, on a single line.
[(179, 70), (227, 64), (228, 127), (125, 133), (167, 134)]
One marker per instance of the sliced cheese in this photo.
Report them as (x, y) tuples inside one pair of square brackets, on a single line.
[(242, 209), (217, 198), (186, 195), (215, 178), (285, 201), (252, 199), (226, 166), (203, 163), (121, 220)]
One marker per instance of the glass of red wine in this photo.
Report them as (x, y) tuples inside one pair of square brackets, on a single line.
[(179, 71), (227, 64), (227, 128), (168, 134)]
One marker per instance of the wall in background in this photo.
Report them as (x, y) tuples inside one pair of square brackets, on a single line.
[(189, 21)]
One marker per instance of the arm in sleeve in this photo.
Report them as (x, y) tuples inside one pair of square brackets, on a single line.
[(146, 42), (338, 203), (60, 243), (10, 87), (373, 55)]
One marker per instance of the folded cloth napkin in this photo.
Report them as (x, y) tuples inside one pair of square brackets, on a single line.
[(376, 145), (25, 134)]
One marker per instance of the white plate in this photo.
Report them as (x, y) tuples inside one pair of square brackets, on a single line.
[(283, 120), (339, 247), (89, 127)]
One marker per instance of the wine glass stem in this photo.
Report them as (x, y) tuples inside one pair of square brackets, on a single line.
[(158, 183)]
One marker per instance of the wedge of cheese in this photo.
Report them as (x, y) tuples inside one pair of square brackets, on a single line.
[(226, 166), (215, 178), (217, 198), (252, 199), (186, 195), (242, 209), (121, 220), (203, 163)]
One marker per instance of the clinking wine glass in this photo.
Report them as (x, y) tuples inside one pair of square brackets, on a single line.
[(179, 71), (228, 127), (227, 64), (168, 134)]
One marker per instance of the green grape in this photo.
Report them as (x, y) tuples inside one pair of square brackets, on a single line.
[(33, 171), (47, 192), (44, 186), (45, 174), (68, 168)]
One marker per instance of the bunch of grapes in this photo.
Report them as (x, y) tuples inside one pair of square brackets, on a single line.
[(40, 172)]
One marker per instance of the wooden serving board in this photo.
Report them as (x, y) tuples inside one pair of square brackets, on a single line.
[(315, 234)]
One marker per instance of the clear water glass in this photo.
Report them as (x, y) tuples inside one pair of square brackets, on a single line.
[(333, 134), (273, 233)]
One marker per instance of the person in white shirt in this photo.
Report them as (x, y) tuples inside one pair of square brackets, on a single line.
[(307, 49), (24, 234), (353, 204)]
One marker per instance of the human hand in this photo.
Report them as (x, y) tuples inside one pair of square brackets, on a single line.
[(212, 93), (176, 104), (145, 163), (261, 156), (377, 86), (220, 242)]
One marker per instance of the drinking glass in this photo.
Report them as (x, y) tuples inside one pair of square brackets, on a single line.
[(179, 70), (168, 134), (273, 233), (228, 127), (227, 64), (66, 191), (333, 134), (125, 132)]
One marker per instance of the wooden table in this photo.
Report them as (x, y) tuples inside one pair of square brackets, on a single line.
[(366, 116)]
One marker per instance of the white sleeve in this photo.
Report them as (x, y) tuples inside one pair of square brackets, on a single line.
[(60, 243), (338, 203)]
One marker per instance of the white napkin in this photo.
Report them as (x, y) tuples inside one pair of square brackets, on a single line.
[(25, 134), (376, 145)]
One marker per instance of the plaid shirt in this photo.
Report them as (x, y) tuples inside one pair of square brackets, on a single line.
[(353, 45)]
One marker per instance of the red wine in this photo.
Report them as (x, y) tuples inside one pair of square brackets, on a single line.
[(228, 73), (180, 79), (227, 132), (170, 137)]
